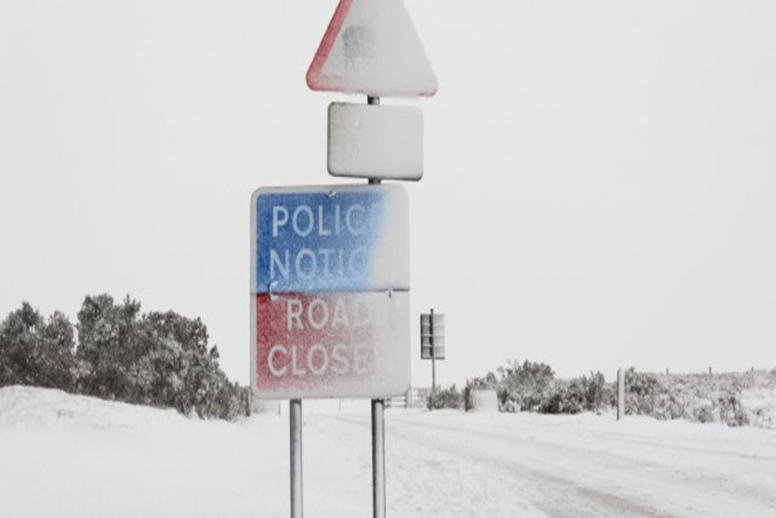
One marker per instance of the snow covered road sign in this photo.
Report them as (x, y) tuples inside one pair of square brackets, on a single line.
[(370, 141), (330, 292), (432, 336), (371, 47)]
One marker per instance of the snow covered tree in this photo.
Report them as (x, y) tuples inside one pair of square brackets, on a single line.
[(107, 346), (160, 358), (36, 351), (526, 386)]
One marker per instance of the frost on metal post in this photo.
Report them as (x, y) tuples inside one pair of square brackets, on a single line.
[(330, 292)]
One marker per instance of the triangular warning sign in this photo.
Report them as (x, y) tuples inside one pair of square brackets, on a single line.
[(371, 47)]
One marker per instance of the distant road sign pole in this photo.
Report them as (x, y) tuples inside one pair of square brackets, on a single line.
[(433, 361), (432, 344)]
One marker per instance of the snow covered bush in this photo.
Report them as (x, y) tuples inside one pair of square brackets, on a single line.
[(734, 399), (160, 359), (446, 398), (531, 386), (643, 393), (526, 386), (702, 398), (36, 351), (577, 395)]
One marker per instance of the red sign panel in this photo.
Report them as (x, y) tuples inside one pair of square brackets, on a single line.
[(330, 344)]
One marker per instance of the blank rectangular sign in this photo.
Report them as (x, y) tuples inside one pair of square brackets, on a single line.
[(374, 141)]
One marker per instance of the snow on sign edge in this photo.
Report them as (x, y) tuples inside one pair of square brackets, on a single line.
[(399, 66)]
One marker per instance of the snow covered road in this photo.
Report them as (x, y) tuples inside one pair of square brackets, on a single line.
[(580, 466), (72, 456)]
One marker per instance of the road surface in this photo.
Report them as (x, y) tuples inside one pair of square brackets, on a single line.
[(594, 466)]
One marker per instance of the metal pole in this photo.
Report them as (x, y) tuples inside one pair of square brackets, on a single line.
[(620, 394), (378, 423), (378, 458), (433, 360), (295, 419), (433, 378)]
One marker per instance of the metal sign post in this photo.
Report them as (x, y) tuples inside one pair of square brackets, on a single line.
[(378, 422), (295, 449), (378, 458), (433, 360)]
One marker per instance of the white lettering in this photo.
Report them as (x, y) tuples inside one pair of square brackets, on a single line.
[(295, 370), (322, 231), (318, 303), (320, 369), (310, 273), (320, 359), (271, 360), (354, 229), (339, 360), (277, 222), (310, 220), (326, 253), (274, 259), (294, 313), (340, 316)]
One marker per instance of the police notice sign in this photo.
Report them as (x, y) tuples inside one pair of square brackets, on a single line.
[(330, 292)]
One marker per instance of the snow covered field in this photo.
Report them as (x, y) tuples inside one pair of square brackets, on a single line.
[(73, 456)]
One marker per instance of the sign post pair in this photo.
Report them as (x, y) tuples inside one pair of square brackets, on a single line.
[(330, 264)]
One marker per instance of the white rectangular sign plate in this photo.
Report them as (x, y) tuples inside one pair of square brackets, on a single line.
[(375, 141)]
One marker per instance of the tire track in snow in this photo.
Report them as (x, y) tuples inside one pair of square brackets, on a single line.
[(588, 478)]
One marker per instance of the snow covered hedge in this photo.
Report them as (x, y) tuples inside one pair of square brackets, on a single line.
[(159, 359), (734, 399)]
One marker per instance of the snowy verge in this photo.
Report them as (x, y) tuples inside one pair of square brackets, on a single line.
[(74, 456)]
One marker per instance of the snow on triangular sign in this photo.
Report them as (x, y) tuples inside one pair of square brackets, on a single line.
[(371, 47)]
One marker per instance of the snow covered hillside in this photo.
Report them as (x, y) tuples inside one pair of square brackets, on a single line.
[(74, 456)]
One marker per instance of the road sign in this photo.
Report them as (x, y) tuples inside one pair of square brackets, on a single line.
[(372, 141), (432, 336), (330, 291), (371, 47)]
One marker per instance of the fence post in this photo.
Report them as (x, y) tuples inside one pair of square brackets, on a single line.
[(620, 394)]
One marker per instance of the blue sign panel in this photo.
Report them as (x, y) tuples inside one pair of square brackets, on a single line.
[(338, 238)]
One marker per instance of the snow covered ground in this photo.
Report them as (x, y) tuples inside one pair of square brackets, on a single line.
[(73, 456)]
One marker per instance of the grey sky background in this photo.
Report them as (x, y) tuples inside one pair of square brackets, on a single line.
[(599, 188)]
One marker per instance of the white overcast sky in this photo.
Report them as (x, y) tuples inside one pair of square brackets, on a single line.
[(599, 188)]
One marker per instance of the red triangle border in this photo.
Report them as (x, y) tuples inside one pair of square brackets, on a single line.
[(328, 41)]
